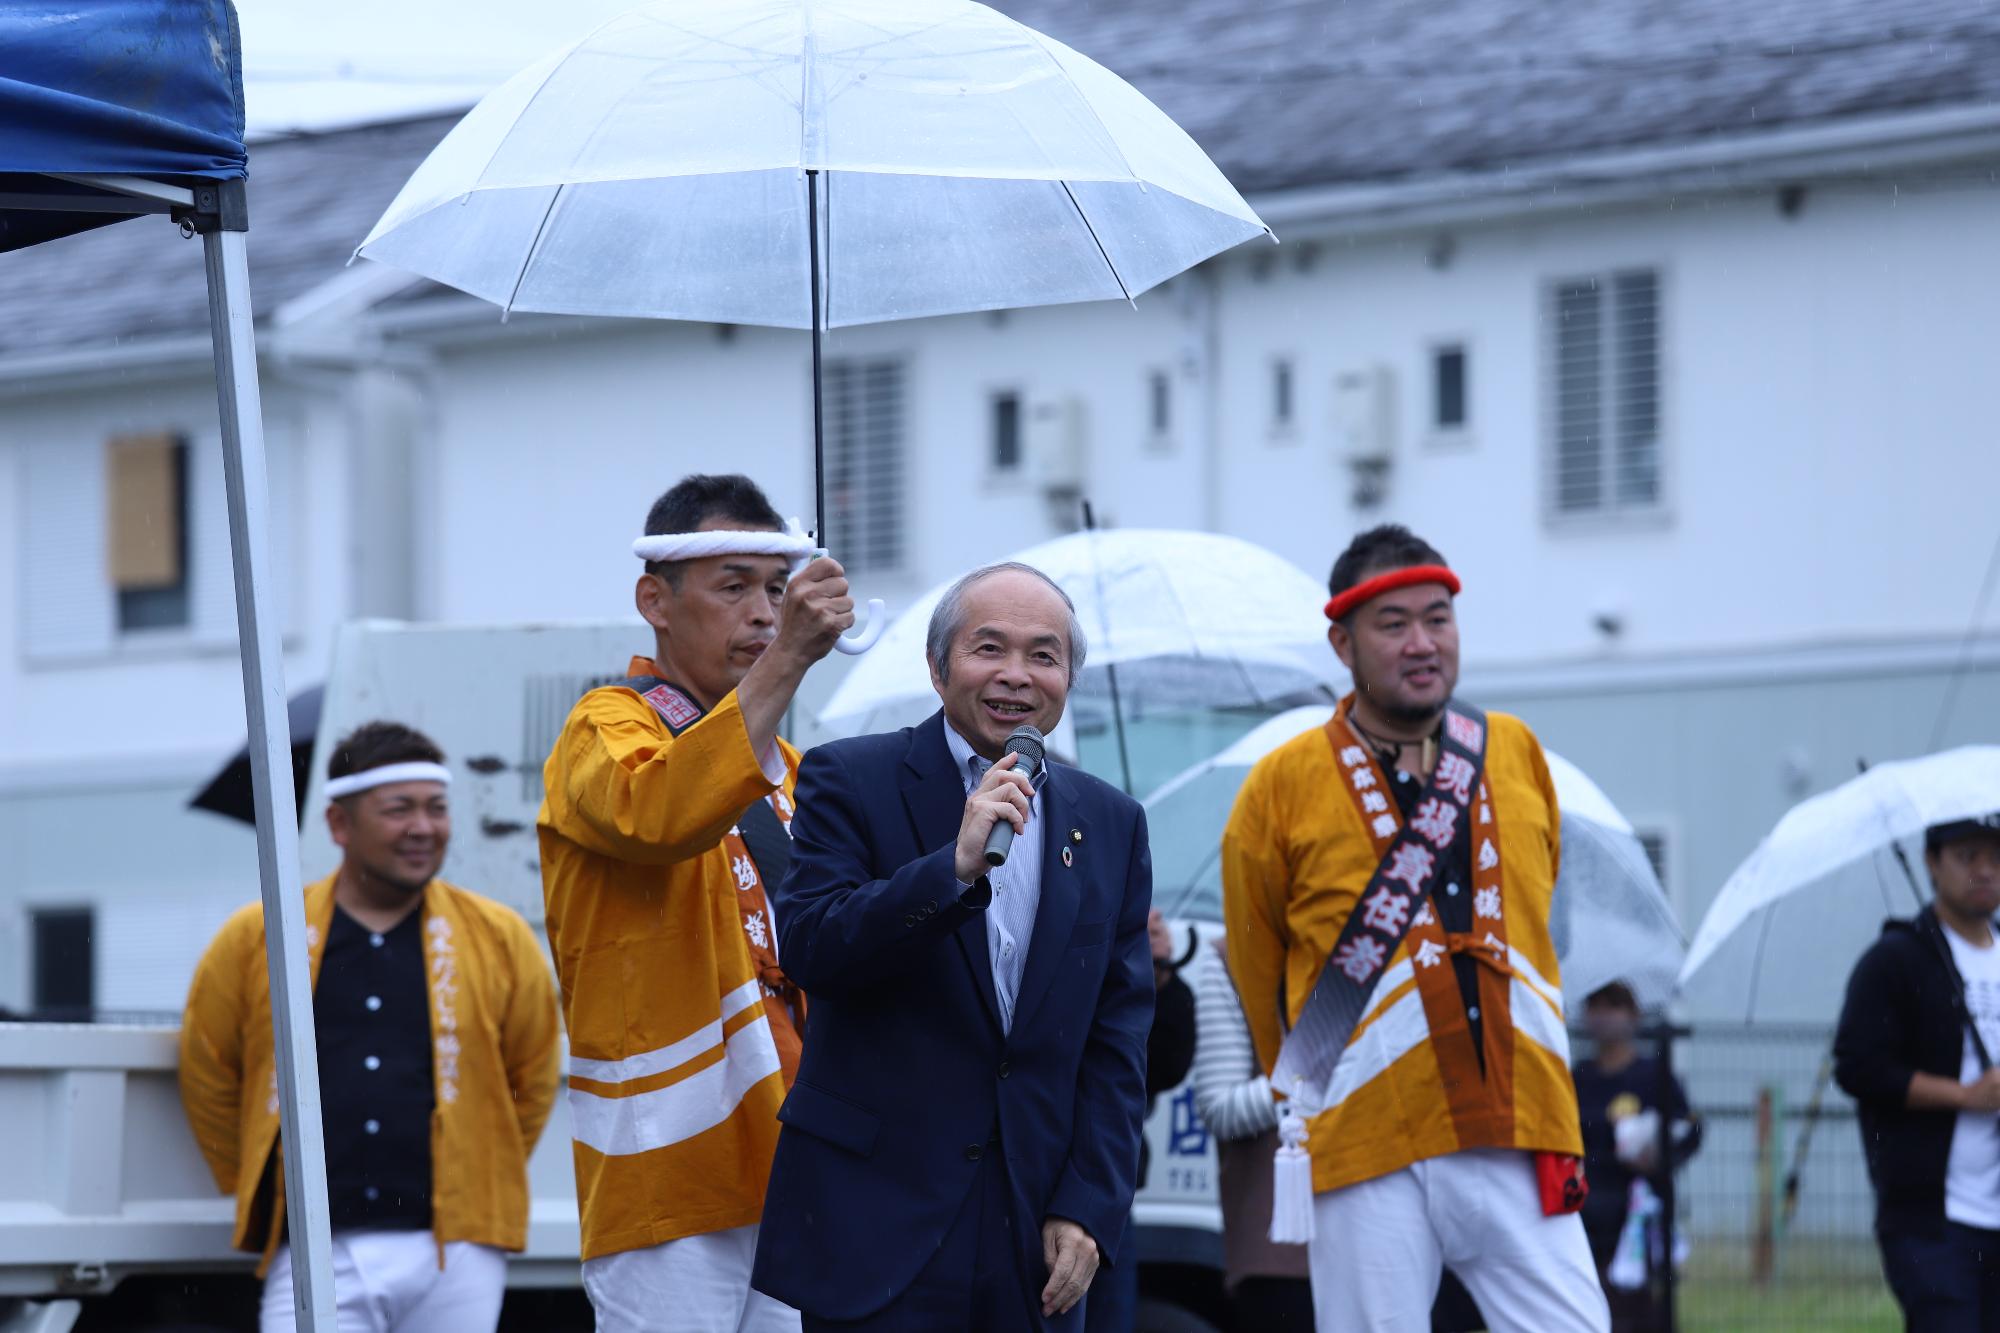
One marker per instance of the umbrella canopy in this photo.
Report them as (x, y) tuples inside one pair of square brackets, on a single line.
[(228, 793), (1190, 619), (1610, 919), (113, 88), (1821, 836), (659, 168)]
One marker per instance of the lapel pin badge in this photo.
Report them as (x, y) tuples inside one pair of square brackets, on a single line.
[(1069, 858), (1076, 835)]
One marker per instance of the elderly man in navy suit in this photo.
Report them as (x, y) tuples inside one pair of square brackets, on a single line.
[(961, 1146)]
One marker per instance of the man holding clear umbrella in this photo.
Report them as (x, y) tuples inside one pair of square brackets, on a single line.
[(667, 815), (1914, 1049), (1387, 881)]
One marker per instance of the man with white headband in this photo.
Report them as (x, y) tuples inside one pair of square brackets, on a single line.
[(435, 1021), (666, 821)]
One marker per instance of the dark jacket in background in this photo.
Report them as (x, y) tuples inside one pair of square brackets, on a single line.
[(1169, 1051), (1598, 1094), (1903, 1015)]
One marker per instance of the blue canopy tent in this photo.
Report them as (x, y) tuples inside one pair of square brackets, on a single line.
[(113, 109)]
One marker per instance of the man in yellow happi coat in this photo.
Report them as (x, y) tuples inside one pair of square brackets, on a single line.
[(435, 1024), (666, 824), (1387, 881)]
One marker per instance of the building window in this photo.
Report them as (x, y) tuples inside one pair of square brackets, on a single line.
[(1448, 388), (146, 527), (1662, 848), (124, 544), (1604, 360), (1159, 406), (1004, 415), (65, 982), (1653, 842), (1283, 408), (866, 406)]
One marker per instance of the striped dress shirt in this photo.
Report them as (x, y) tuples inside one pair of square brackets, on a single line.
[(1017, 886)]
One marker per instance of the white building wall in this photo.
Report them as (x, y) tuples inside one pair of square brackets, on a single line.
[(170, 693), (1829, 439)]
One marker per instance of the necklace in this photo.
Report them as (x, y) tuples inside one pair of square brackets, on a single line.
[(1389, 751)]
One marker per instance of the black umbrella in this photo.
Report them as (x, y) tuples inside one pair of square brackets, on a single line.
[(228, 792)]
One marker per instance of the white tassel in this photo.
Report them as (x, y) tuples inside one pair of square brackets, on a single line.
[(1291, 1182)]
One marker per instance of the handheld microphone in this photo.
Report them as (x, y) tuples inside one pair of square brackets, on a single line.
[(1026, 742)]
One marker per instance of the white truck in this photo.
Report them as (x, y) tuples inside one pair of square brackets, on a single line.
[(108, 1215)]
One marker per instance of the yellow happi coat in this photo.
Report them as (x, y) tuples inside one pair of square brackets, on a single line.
[(1308, 830), (494, 1041), (675, 1077)]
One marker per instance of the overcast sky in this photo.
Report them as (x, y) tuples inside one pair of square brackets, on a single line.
[(308, 64)]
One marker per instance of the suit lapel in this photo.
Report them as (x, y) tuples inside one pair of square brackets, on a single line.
[(934, 794), (1062, 893)]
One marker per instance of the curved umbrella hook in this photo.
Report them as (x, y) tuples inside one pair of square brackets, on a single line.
[(869, 627)]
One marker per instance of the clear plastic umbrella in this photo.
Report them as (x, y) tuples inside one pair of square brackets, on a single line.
[(1609, 920), (1888, 804), (1188, 619), (810, 164)]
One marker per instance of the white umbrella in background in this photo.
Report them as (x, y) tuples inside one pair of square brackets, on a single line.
[(1886, 805), (810, 164), (1610, 919), (1189, 620)]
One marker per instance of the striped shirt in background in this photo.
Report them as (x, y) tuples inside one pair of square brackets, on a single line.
[(1230, 1092)]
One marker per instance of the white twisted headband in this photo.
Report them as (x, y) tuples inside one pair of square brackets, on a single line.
[(383, 776), (792, 543)]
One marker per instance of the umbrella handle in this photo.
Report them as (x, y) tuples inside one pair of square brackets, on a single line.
[(872, 625)]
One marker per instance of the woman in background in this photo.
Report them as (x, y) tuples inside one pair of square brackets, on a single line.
[(1267, 1284)]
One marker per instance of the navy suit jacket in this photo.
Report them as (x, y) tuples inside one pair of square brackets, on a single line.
[(906, 1072)]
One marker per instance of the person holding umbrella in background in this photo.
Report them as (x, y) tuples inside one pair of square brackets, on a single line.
[(1914, 1049), (666, 822), (1621, 1098), (1267, 1284), (1114, 1297)]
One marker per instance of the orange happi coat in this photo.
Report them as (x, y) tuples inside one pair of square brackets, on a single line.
[(496, 1043), (677, 1048), (1304, 839)]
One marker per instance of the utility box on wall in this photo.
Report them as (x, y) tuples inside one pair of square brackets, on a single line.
[(1058, 445), (1364, 430)]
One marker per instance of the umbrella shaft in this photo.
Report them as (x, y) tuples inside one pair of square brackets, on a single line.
[(819, 416)]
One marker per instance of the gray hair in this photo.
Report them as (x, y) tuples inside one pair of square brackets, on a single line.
[(949, 617)]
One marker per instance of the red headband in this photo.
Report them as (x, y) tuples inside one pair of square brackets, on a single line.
[(1389, 582)]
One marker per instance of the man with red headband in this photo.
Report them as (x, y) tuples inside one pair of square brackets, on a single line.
[(1386, 887)]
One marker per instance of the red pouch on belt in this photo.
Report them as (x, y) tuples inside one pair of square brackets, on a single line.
[(1563, 1187)]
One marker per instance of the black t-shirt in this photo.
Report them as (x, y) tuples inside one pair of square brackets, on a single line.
[(1602, 1100), (1454, 910), (371, 1010)]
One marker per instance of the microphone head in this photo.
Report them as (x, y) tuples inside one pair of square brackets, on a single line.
[(1026, 741)]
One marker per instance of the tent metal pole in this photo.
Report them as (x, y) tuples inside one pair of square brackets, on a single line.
[(264, 701)]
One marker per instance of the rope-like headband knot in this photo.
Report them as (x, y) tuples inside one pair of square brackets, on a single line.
[(415, 771), (1396, 578), (792, 543)]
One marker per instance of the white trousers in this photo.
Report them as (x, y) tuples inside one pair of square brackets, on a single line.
[(390, 1282), (697, 1284), (1378, 1246)]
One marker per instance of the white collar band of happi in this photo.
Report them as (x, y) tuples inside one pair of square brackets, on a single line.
[(369, 778), (792, 543)]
